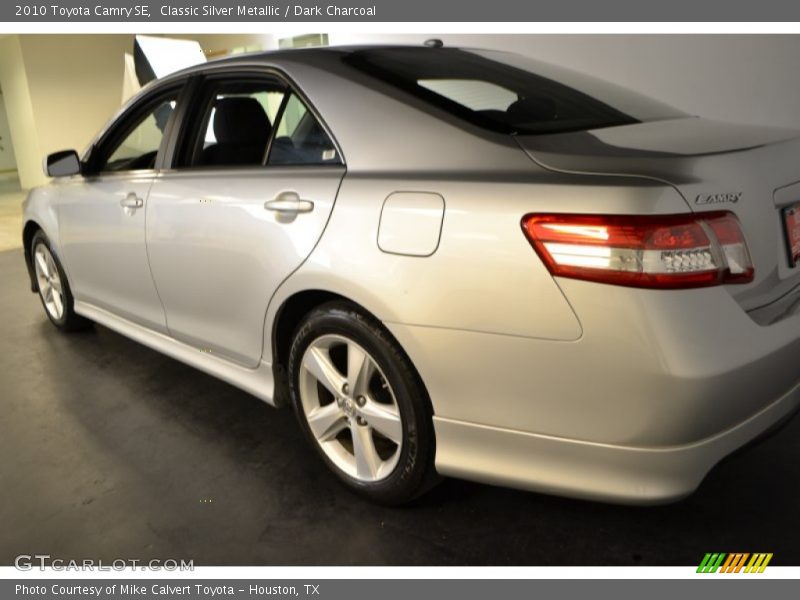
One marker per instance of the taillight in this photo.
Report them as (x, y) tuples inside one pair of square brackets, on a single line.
[(660, 251)]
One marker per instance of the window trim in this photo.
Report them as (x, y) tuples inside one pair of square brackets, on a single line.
[(287, 94)]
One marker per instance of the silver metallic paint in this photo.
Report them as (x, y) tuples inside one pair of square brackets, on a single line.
[(104, 244), (411, 223), (560, 386), (209, 231)]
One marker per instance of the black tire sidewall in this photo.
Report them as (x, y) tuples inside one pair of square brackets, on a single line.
[(415, 461)]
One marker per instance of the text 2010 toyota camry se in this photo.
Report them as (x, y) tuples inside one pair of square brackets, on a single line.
[(449, 261)]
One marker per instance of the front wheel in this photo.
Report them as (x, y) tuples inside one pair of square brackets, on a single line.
[(362, 404), (53, 287)]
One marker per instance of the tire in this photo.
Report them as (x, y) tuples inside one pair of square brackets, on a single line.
[(378, 436), (53, 287)]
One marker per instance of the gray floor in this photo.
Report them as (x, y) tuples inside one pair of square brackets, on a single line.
[(109, 450)]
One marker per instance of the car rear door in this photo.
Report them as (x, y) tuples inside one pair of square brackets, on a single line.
[(254, 179), (102, 213)]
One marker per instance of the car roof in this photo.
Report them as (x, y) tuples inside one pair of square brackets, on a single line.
[(294, 55)]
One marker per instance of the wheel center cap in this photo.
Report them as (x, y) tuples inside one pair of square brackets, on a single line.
[(349, 407)]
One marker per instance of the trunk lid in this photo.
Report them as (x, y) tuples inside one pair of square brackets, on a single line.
[(753, 172)]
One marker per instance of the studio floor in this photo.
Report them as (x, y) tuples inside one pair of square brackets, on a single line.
[(109, 450)]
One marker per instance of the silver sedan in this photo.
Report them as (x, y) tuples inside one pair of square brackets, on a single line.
[(447, 261)]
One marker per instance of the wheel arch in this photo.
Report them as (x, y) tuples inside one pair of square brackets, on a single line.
[(291, 313), (288, 316)]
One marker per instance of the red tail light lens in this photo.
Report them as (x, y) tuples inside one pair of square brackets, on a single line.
[(671, 251)]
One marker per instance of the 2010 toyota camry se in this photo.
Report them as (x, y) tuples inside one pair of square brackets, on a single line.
[(448, 261)]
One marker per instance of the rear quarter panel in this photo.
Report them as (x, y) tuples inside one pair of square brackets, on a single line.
[(484, 275)]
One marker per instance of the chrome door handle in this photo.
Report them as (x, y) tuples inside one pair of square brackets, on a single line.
[(289, 203), (131, 201)]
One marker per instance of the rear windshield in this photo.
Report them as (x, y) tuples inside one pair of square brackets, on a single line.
[(507, 92)]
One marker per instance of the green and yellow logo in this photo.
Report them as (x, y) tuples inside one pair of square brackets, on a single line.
[(737, 562)]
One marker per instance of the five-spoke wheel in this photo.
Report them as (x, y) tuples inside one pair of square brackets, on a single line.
[(53, 287), (49, 282), (350, 408), (362, 404)]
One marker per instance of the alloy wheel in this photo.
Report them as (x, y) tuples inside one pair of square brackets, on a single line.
[(49, 282), (350, 408)]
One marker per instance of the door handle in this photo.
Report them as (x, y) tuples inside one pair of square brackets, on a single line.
[(289, 203), (131, 201)]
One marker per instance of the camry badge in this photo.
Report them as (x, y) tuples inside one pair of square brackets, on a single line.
[(718, 198)]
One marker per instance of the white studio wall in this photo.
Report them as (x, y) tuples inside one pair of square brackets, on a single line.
[(8, 164), (740, 78), (59, 91), (167, 55), (19, 110), (216, 45), (130, 84), (158, 56)]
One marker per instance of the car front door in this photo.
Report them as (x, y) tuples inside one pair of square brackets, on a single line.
[(102, 215), (253, 184)]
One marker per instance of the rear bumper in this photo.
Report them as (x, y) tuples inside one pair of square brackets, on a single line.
[(660, 387), (620, 474)]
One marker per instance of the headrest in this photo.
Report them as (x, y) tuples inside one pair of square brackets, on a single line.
[(532, 109), (241, 120)]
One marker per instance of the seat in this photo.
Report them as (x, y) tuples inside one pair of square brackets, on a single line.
[(242, 129)]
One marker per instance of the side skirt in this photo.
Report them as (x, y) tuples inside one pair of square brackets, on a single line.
[(259, 382)]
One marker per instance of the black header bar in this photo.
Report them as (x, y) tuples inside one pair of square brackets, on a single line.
[(464, 11)]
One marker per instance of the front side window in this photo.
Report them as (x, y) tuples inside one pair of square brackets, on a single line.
[(255, 122), (138, 147)]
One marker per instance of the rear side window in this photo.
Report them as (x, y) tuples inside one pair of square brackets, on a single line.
[(237, 124), (252, 123), (300, 138), (506, 92)]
